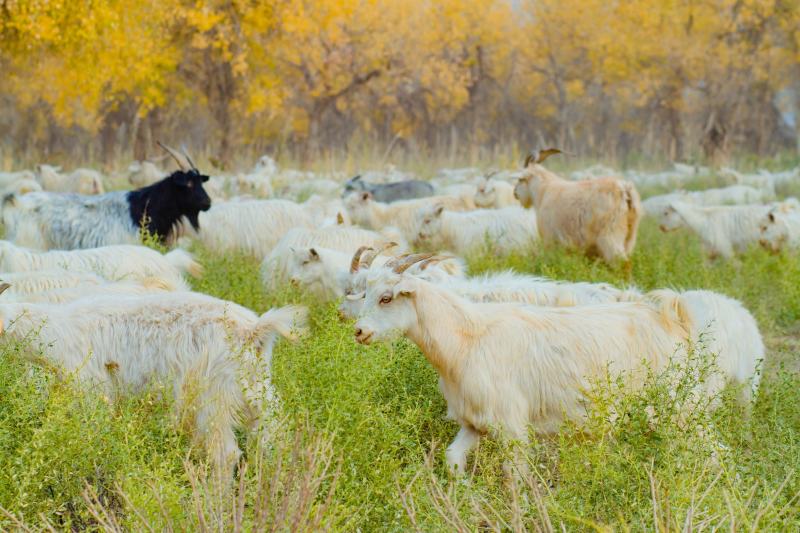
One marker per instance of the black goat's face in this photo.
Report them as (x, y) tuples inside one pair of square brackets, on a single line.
[(190, 195)]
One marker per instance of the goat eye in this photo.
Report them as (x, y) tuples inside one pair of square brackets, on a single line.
[(386, 299)]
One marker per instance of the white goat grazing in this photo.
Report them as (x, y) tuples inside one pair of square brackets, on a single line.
[(81, 181), (508, 286), (88, 290), (436, 269), (780, 228), (321, 271), (724, 329), (257, 182), (144, 173), (598, 216), (216, 354), (494, 193), (7, 178), (505, 366), (501, 230), (275, 268), (31, 282), (365, 211), (723, 230), (253, 227), (733, 195), (114, 263)]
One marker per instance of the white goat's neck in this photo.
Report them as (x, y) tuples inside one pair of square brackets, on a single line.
[(445, 327), (690, 216), (380, 215)]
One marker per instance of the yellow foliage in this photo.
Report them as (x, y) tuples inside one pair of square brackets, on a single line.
[(411, 64)]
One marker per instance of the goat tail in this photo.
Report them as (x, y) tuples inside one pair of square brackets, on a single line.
[(289, 322), (185, 262), (633, 204), (671, 310)]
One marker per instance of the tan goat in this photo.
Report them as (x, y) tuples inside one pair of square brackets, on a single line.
[(600, 216)]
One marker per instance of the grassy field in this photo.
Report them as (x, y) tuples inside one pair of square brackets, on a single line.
[(361, 431)]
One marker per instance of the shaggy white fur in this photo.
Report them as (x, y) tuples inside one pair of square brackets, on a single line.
[(216, 354)]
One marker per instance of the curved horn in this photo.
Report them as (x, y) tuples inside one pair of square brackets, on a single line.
[(370, 257), (4, 286), (410, 260), (355, 262), (188, 159), (529, 159), (544, 154), (183, 163), (433, 260)]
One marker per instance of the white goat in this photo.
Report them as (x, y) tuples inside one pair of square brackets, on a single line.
[(780, 228), (365, 211), (81, 181), (114, 263), (86, 290), (275, 268), (505, 366), (723, 230), (494, 193), (257, 182), (508, 286), (252, 227), (733, 195), (597, 216), (7, 178), (144, 173), (31, 282), (331, 274), (215, 353), (501, 230), (724, 329)]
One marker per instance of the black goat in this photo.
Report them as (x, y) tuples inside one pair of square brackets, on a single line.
[(47, 220)]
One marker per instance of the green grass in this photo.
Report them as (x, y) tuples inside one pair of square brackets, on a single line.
[(362, 431)]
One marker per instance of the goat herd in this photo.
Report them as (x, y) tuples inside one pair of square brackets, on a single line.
[(512, 351)]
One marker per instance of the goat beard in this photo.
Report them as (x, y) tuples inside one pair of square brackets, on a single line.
[(193, 220)]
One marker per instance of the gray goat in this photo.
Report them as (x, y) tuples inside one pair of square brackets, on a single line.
[(390, 192)]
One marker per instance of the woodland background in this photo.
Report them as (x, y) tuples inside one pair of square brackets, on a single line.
[(100, 80)]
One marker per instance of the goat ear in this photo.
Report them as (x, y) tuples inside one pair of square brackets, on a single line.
[(404, 288), (4, 286), (366, 195), (771, 216), (314, 254), (438, 210)]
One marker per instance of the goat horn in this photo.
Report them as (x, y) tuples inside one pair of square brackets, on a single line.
[(407, 262), (369, 257), (183, 163), (188, 159), (433, 260), (356, 261), (544, 154), (4, 286), (529, 159)]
